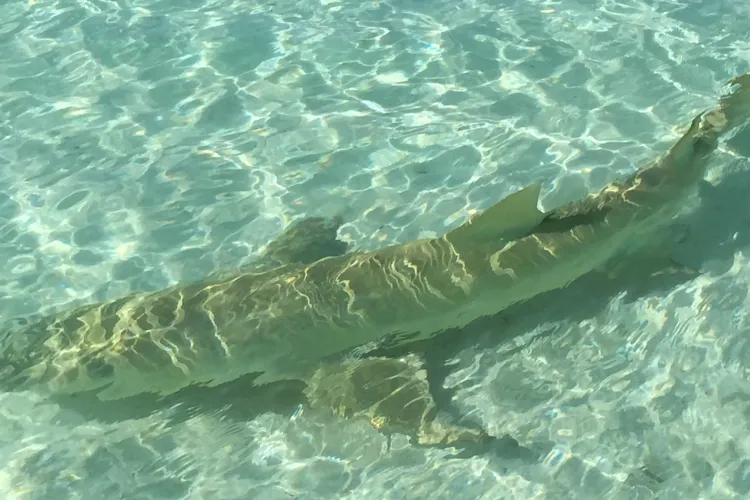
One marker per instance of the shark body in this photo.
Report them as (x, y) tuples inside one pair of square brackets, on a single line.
[(282, 323)]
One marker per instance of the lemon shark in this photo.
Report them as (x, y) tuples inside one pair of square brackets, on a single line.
[(300, 310)]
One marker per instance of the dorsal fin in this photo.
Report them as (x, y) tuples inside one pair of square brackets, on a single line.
[(512, 217)]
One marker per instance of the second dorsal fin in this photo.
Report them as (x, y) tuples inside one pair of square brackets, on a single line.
[(512, 217)]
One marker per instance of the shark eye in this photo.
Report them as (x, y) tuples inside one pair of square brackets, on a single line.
[(15, 325), (11, 334), (17, 332), (19, 324), (99, 369)]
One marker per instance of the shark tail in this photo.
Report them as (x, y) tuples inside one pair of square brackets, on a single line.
[(734, 108), (687, 160), (732, 112)]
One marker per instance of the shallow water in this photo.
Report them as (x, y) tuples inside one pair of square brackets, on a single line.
[(144, 143)]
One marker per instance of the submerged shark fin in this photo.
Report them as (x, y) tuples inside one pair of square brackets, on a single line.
[(307, 241), (658, 257), (304, 242), (515, 215), (649, 262), (393, 394), (591, 210)]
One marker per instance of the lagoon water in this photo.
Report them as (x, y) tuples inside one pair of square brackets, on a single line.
[(149, 142)]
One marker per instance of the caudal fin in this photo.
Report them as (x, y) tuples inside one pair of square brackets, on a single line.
[(733, 110), (686, 161)]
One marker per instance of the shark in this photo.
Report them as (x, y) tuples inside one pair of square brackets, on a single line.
[(308, 303)]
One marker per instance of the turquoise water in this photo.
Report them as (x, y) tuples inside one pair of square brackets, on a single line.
[(144, 143)]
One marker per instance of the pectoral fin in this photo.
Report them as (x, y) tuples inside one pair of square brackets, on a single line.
[(393, 394)]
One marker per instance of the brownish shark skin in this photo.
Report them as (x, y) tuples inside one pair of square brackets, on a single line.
[(282, 323)]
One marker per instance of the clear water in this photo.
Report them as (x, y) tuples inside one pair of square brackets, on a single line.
[(148, 142)]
